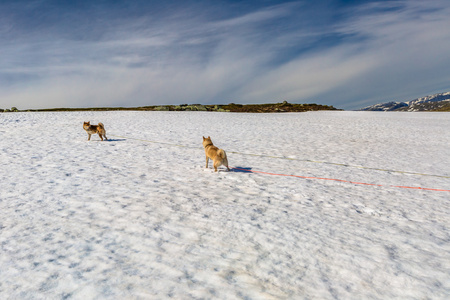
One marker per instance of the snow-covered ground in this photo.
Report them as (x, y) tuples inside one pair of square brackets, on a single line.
[(139, 216)]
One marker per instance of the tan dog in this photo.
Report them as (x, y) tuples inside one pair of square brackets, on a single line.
[(93, 129), (218, 156)]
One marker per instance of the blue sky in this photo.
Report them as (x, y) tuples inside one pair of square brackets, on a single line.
[(348, 54)]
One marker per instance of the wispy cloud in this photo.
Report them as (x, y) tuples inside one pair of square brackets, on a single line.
[(195, 53)]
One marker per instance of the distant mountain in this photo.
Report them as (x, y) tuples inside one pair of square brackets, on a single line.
[(436, 102)]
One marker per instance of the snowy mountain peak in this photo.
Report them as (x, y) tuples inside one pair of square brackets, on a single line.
[(436, 102)]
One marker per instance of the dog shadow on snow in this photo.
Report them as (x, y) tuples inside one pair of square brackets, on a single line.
[(241, 169), (233, 169), (108, 140)]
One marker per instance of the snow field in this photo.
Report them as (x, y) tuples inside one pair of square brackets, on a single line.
[(134, 218)]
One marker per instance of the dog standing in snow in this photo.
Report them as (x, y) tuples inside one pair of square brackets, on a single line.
[(93, 129), (218, 156)]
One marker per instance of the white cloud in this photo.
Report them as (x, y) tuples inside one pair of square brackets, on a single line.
[(387, 54), (308, 76), (396, 49)]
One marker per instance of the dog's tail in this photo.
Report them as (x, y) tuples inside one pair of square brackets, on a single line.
[(101, 125), (221, 154)]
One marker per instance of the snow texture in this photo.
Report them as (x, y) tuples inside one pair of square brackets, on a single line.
[(139, 216)]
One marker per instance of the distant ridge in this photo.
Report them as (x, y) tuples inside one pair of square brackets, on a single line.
[(436, 102), (232, 107)]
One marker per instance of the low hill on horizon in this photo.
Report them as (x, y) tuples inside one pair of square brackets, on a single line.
[(232, 107)]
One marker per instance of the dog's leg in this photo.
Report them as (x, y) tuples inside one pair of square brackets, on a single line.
[(207, 160), (216, 164), (225, 163), (89, 136), (100, 135), (105, 136)]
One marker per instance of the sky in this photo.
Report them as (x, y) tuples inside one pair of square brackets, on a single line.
[(349, 54)]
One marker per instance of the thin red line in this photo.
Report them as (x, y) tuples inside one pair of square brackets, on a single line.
[(341, 180)]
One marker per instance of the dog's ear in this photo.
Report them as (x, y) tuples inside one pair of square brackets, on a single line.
[(209, 137), (203, 137)]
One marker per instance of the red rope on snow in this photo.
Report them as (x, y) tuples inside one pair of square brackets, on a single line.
[(341, 180)]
